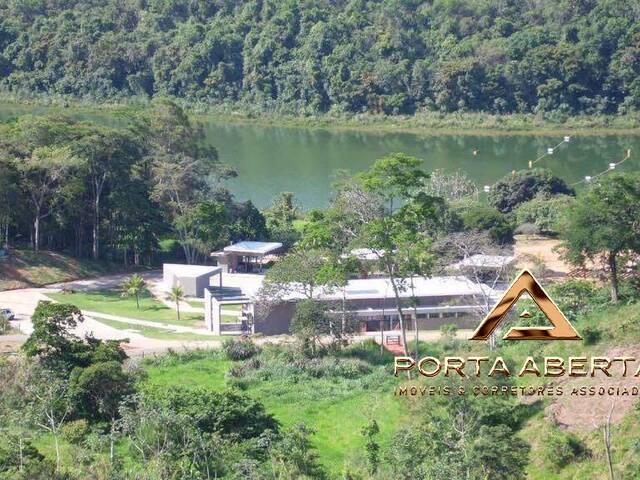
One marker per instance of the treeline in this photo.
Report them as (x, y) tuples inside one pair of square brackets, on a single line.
[(345, 56), (115, 192)]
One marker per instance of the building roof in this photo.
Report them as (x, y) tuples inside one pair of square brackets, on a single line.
[(485, 261), (253, 248), (182, 270), (380, 288)]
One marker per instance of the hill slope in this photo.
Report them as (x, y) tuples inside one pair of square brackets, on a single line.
[(394, 56)]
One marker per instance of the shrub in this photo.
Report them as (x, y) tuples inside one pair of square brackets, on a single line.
[(75, 431), (544, 212), (482, 218), (239, 349), (4, 324), (514, 190), (562, 448), (213, 411), (591, 335)]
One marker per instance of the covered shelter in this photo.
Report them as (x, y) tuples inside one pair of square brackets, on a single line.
[(247, 256), (193, 279)]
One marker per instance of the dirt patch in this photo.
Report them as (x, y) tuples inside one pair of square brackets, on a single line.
[(541, 255), (590, 412)]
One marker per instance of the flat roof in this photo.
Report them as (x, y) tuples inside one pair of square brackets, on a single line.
[(183, 270), (380, 288), (250, 247)]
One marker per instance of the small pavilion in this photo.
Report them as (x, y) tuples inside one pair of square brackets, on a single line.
[(247, 256)]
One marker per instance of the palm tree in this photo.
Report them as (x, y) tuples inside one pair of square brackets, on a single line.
[(176, 294), (134, 286)]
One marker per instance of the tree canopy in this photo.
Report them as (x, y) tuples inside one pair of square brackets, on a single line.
[(392, 57)]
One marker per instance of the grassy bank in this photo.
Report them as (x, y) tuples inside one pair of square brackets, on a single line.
[(425, 122), (25, 268)]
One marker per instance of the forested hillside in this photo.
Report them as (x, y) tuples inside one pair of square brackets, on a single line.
[(390, 56)]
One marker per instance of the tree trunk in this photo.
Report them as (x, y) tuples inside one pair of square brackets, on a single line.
[(96, 232), (36, 233), (403, 328), (613, 275), (415, 319)]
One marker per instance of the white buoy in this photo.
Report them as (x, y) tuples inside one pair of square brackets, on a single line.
[(475, 152), (487, 188), (612, 166), (567, 138), (587, 178), (549, 151)]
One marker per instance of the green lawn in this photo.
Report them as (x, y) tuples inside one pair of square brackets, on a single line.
[(112, 303), (157, 332)]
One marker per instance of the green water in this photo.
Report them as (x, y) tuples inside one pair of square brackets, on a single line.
[(270, 160)]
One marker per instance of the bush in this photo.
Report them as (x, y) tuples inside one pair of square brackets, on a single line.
[(562, 448), (514, 190), (75, 431), (544, 212), (591, 335), (4, 324), (482, 218), (239, 349), (214, 411)]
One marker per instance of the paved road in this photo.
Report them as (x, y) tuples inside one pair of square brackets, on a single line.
[(24, 301)]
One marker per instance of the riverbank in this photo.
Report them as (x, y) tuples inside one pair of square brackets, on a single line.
[(423, 123)]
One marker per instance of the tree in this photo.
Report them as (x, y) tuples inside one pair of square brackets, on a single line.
[(604, 221), (134, 286), (49, 405), (466, 438), (479, 218), (309, 323), (9, 196), (176, 294), (280, 216), (515, 189), (106, 154), (41, 172), (299, 271), (51, 343), (385, 209), (544, 212), (181, 165)]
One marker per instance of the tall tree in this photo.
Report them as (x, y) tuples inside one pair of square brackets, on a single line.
[(107, 155), (386, 210), (41, 173), (605, 220)]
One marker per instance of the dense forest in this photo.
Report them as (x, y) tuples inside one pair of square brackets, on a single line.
[(342, 56)]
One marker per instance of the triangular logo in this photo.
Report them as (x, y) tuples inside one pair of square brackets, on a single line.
[(526, 282)]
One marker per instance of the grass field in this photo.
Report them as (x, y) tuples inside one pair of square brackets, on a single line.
[(156, 332), (336, 408), (25, 268), (112, 303)]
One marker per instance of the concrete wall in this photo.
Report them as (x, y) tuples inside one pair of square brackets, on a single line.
[(278, 321)]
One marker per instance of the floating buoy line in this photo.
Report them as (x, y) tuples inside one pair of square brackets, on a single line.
[(550, 151)]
